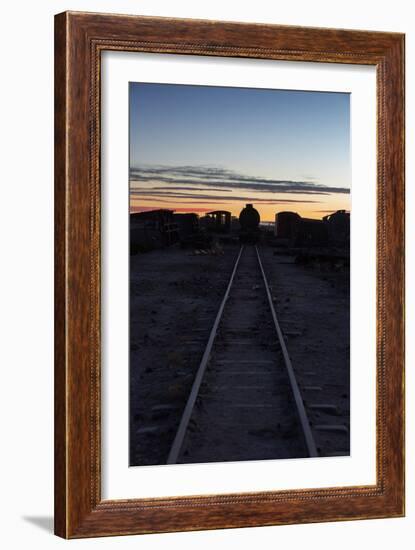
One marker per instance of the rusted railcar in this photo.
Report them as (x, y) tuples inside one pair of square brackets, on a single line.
[(249, 220), (188, 223), (152, 229), (286, 224), (218, 221), (332, 230), (338, 225)]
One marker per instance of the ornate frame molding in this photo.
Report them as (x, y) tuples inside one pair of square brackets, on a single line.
[(79, 40)]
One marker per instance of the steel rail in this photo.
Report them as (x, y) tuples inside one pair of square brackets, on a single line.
[(305, 424), (187, 413)]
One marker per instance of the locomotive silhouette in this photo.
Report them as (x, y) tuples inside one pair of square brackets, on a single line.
[(249, 219)]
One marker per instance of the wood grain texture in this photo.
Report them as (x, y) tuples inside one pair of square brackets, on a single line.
[(79, 40), (60, 277)]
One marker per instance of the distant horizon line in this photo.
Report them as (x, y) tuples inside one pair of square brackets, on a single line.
[(174, 210)]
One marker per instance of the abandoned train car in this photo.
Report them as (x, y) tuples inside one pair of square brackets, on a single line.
[(188, 224), (249, 219), (338, 225), (152, 229), (296, 231), (218, 221), (190, 233)]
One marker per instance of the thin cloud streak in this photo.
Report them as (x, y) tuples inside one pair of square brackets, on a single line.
[(223, 178), (200, 210), (135, 194), (173, 188)]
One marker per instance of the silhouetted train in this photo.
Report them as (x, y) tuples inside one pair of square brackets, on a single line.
[(152, 229), (161, 228), (333, 229), (218, 221), (249, 224)]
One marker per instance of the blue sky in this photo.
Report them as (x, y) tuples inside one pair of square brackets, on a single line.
[(189, 144)]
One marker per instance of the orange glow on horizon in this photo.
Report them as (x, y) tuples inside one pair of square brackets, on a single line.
[(267, 212)]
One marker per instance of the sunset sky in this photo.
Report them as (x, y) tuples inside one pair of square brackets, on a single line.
[(203, 148)]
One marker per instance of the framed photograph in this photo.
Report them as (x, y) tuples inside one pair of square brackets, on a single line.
[(229, 275)]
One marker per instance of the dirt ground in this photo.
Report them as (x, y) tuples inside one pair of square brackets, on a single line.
[(174, 297), (313, 307)]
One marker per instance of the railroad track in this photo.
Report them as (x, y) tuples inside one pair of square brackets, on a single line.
[(245, 403)]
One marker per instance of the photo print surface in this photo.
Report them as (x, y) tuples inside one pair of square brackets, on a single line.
[(239, 287)]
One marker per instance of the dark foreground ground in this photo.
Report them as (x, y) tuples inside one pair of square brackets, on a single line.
[(313, 308), (174, 297)]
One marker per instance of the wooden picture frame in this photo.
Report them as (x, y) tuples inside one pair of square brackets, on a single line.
[(79, 40)]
